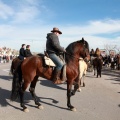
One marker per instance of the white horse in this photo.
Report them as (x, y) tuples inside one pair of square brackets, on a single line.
[(82, 74)]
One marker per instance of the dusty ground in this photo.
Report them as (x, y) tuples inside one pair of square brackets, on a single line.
[(99, 100)]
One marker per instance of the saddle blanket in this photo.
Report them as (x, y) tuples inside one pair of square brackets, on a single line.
[(49, 62)]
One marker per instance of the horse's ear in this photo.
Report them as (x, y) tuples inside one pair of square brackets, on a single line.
[(81, 41)]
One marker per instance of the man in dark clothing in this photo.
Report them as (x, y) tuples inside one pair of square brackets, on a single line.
[(27, 51), (53, 49), (22, 52)]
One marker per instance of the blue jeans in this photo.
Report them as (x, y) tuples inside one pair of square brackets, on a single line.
[(59, 64)]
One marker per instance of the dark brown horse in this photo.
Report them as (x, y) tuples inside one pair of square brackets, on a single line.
[(33, 67), (97, 65)]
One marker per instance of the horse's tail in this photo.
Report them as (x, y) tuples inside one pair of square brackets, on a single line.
[(16, 83)]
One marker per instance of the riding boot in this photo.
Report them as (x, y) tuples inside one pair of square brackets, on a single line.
[(56, 77)]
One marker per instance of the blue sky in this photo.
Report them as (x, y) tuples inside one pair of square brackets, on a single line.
[(29, 21)]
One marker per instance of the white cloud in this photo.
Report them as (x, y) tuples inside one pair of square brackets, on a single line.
[(5, 11), (6, 30), (95, 27), (23, 11), (26, 14), (105, 26)]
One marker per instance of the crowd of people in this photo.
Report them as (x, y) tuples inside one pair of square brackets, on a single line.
[(7, 54), (111, 60)]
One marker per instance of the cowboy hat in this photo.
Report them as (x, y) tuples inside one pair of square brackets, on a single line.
[(56, 30)]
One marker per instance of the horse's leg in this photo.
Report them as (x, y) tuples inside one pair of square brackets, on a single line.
[(100, 71), (79, 84), (24, 87), (97, 71), (94, 70), (32, 91), (83, 80), (97, 75), (69, 94)]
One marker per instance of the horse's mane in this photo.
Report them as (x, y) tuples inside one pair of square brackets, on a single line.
[(72, 46), (41, 54)]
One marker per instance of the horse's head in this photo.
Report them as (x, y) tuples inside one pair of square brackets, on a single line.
[(85, 53), (79, 49)]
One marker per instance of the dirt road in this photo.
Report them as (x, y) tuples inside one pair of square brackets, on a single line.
[(99, 100)]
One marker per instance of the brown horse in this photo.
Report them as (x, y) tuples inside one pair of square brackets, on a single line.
[(33, 67), (97, 65)]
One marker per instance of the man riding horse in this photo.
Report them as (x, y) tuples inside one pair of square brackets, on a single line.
[(34, 67), (22, 52), (54, 49)]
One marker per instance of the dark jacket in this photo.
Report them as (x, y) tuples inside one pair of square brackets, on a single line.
[(28, 53), (21, 54), (53, 44)]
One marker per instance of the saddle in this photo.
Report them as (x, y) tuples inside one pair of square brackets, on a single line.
[(50, 63)]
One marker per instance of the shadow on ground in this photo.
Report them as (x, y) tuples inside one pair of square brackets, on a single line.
[(5, 77), (5, 100), (48, 83), (113, 75)]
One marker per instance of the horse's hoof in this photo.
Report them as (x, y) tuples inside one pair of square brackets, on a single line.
[(26, 110), (40, 107), (73, 109), (79, 90)]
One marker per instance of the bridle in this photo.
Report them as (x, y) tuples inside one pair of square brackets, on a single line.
[(86, 59)]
